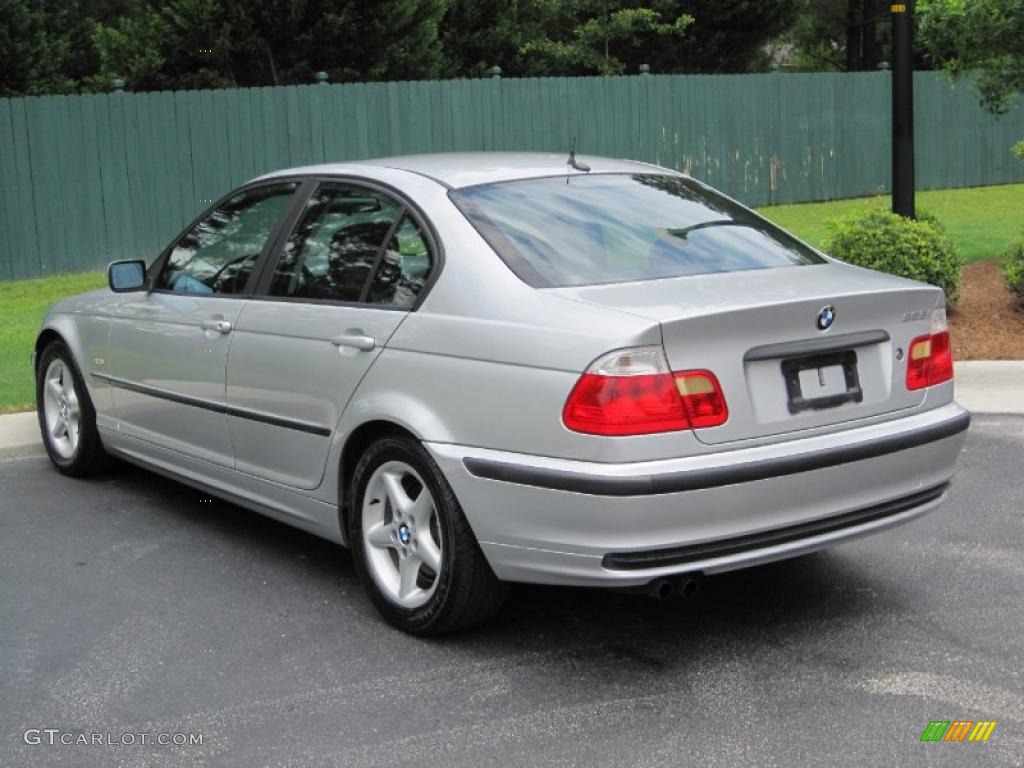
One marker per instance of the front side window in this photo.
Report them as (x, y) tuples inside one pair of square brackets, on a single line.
[(218, 254), (347, 247), (610, 228)]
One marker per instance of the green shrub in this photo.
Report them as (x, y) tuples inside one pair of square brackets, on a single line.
[(1013, 271), (919, 249)]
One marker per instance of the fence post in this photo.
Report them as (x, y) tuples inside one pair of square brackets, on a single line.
[(495, 72)]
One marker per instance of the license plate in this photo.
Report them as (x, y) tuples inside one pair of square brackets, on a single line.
[(822, 381)]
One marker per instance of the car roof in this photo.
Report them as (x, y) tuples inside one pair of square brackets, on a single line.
[(466, 169)]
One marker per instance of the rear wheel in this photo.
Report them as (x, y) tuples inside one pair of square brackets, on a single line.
[(414, 550), (67, 419)]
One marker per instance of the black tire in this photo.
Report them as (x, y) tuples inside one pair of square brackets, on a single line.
[(88, 458), (467, 592)]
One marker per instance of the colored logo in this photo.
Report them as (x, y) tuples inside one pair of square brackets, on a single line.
[(826, 317), (958, 730)]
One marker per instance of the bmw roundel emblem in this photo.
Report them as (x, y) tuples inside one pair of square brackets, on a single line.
[(826, 317)]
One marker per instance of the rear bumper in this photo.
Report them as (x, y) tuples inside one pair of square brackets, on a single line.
[(560, 521)]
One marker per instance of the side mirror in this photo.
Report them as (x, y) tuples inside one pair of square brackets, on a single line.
[(126, 276)]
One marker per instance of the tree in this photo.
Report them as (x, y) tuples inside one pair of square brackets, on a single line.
[(986, 36), (726, 35), (217, 43), (672, 36), (478, 34), (49, 46), (843, 35), (604, 36), (45, 47)]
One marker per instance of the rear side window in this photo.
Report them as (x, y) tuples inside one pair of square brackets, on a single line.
[(404, 268), (610, 228), (335, 247)]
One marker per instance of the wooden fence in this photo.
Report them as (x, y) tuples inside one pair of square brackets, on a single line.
[(87, 179)]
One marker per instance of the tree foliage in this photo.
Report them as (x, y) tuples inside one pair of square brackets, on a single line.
[(918, 249), (565, 37), (843, 35), (603, 37), (45, 47), (727, 35), (213, 43), (478, 34), (60, 46), (1013, 271), (986, 36)]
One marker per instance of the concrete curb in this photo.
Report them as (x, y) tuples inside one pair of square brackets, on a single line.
[(990, 386), (18, 433), (982, 386)]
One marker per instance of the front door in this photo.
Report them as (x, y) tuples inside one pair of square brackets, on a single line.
[(347, 275), (168, 348)]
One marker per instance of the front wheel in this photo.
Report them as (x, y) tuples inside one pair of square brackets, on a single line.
[(414, 550), (67, 419)]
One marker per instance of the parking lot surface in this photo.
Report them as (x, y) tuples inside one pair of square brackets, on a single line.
[(135, 605)]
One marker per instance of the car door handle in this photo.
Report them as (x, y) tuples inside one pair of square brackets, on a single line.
[(355, 340), (213, 324)]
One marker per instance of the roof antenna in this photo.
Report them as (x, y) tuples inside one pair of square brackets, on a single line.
[(573, 163)]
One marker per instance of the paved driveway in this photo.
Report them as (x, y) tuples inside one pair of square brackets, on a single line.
[(134, 605)]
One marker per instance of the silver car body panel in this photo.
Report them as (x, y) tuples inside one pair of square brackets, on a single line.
[(542, 534), (157, 344), (274, 337), (481, 370), (704, 328)]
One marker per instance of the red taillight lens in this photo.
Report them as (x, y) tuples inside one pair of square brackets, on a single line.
[(632, 392), (625, 405), (930, 359)]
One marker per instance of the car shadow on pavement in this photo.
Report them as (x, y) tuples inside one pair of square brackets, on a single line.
[(818, 585), (755, 603), (214, 519)]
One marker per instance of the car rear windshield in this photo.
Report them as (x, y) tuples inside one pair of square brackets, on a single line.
[(611, 228)]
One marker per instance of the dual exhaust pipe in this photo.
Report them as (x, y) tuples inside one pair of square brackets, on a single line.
[(678, 587)]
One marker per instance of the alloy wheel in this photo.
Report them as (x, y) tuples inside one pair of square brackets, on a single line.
[(401, 534), (61, 409)]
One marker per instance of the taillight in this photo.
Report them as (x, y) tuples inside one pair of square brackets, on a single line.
[(930, 358), (633, 392), (702, 398)]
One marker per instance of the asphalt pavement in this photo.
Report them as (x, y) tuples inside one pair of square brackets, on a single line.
[(134, 605)]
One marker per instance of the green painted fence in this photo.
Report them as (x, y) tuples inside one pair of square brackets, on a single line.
[(87, 179)]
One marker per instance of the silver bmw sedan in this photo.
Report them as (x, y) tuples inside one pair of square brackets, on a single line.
[(476, 369)]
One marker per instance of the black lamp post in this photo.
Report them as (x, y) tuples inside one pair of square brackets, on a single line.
[(903, 108)]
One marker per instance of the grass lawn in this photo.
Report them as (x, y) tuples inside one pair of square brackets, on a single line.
[(983, 221), (22, 306)]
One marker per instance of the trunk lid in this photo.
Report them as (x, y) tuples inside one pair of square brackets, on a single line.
[(757, 331)]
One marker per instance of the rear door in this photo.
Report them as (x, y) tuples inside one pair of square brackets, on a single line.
[(353, 265), (168, 347)]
